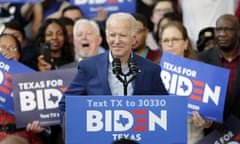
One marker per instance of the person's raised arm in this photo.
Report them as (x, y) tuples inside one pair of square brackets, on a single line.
[(37, 18)]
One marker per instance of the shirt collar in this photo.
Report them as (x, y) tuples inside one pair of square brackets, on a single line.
[(110, 57)]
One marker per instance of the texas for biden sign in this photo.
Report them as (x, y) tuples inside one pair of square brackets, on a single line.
[(9, 67), (36, 95), (204, 84), (146, 119)]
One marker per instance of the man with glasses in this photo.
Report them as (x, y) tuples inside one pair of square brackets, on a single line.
[(226, 54)]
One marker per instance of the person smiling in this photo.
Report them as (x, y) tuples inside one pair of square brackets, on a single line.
[(96, 76)]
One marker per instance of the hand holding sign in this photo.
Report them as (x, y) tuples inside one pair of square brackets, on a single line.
[(199, 121), (35, 127)]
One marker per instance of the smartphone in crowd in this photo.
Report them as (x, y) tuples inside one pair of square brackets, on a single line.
[(45, 50)]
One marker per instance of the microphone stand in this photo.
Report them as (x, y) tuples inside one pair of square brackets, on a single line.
[(125, 85), (133, 69)]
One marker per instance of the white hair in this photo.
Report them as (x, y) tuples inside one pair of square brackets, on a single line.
[(86, 21), (121, 16)]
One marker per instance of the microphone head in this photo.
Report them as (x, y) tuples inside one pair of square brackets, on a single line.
[(116, 66), (133, 68)]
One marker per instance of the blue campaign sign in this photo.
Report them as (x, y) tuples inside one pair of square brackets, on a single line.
[(145, 119), (8, 68), (204, 84), (36, 96), (90, 7), (20, 1)]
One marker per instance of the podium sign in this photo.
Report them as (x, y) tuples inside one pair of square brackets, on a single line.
[(145, 119)]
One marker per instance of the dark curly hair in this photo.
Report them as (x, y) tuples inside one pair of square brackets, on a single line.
[(67, 55)]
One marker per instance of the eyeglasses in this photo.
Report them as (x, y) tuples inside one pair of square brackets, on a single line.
[(224, 29), (8, 49), (173, 41)]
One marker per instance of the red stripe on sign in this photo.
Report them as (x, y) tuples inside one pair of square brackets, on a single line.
[(139, 112), (7, 75), (197, 91), (141, 120), (4, 90), (112, 1), (140, 128), (8, 84), (194, 97), (198, 83)]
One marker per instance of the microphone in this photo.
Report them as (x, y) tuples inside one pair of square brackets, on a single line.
[(117, 70), (116, 66), (133, 68)]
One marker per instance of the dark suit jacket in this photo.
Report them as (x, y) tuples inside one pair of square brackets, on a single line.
[(92, 78), (231, 106)]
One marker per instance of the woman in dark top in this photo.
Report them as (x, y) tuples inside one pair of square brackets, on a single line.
[(53, 34)]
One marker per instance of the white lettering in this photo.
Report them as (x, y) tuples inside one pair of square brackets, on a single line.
[(94, 121), (4, 66), (194, 107), (43, 99), (175, 84), (27, 101), (225, 138), (161, 121), (213, 95)]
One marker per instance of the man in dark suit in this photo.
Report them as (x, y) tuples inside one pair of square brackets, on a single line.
[(227, 54), (96, 76)]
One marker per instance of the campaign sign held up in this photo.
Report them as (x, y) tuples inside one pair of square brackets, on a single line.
[(90, 7), (231, 136), (145, 119), (20, 1), (8, 67), (204, 84), (36, 96)]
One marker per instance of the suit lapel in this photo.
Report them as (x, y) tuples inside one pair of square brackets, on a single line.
[(102, 71), (137, 81)]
